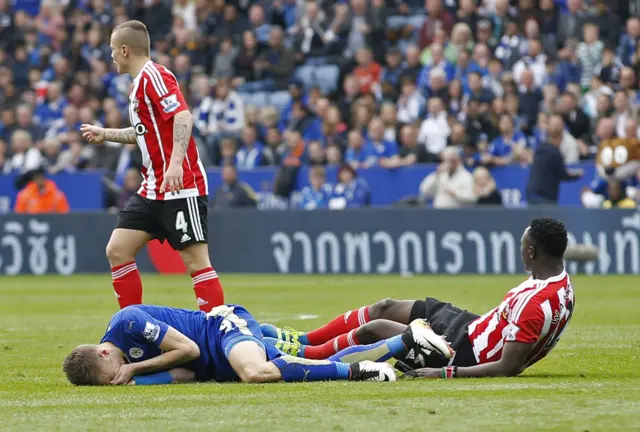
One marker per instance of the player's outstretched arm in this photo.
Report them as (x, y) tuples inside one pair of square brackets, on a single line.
[(512, 363), (125, 136), (97, 134), (177, 349), (174, 376)]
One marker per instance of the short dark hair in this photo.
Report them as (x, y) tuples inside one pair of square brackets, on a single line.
[(80, 366), (549, 235)]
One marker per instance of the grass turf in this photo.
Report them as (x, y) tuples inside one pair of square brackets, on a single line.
[(589, 382)]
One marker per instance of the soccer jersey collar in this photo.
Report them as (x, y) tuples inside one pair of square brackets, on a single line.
[(137, 78)]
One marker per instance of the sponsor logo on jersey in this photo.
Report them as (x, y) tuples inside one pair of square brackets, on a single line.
[(512, 331), (140, 129), (170, 103), (185, 238), (136, 352), (151, 332)]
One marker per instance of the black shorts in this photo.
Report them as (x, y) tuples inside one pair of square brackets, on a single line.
[(182, 222), (451, 322)]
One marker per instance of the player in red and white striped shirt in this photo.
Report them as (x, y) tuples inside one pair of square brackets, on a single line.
[(171, 203), (523, 329)]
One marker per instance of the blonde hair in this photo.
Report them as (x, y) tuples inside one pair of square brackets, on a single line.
[(134, 34)]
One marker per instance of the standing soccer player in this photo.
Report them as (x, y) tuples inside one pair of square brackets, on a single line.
[(171, 203)]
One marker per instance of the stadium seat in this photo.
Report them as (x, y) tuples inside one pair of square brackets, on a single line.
[(305, 74), (279, 99), (326, 78)]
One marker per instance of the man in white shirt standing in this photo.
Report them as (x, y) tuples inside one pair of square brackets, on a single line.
[(435, 129), (451, 185)]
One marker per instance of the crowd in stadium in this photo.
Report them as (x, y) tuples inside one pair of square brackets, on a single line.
[(357, 83)]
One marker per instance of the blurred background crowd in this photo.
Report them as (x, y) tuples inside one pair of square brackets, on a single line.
[(469, 85)]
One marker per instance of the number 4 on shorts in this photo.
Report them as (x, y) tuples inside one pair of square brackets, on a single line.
[(181, 223)]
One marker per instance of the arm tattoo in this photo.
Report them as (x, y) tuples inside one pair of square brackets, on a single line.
[(125, 136), (181, 136)]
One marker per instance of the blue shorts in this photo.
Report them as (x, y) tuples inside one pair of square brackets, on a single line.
[(227, 326)]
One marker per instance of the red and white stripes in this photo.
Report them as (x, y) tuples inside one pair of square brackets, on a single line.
[(208, 274), (123, 270), (363, 315)]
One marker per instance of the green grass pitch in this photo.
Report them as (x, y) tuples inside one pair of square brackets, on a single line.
[(590, 382)]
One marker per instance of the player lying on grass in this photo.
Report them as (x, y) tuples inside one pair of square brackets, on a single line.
[(524, 327), (161, 345)]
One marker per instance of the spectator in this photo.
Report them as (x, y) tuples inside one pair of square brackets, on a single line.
[(68, 123), (510, 146), (451, 185), (350, 191), (411, 102), (571, 23), (412, 66), (186, 10), (438, 62), (589, 53), (309, 33), (534, 61), (251, 154), (358, 154), (383, 150), (228, 149), (617, 198), (530, 98), (226, 116), (246, 58), (609, 68), (233, 193), (224, 63), (258, 23), (575, 119), (485, 189), (317, 194), (390, 75), (75, 158), (548, 169), (410, 152), (334, 155), (629, 41), (130, 187), (41, 196), (477, 91), (389, 114), (368, 71), (622, 112), (437, 17), (278, 61), (294, 153), (316, 153), (477, 125), (25, 157), (51, 109), (435, 130)]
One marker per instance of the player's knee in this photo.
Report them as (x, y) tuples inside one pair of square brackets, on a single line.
[(117, 254), (381, 309), (370, 332), (195, 257)]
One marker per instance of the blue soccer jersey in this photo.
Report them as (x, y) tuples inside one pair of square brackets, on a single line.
[(138, 332)]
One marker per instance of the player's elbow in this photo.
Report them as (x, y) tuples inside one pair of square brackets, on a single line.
[(509, 369)]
